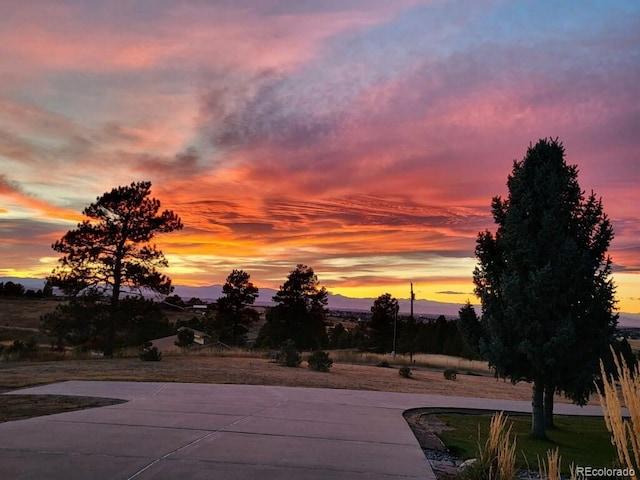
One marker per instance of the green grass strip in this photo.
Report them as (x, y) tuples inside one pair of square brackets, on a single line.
[(582, 441)]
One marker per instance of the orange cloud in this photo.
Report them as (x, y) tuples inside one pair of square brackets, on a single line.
[(365, 138), (44, 208)]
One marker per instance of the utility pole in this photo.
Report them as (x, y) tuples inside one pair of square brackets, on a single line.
[(413, 297), (395, 327)]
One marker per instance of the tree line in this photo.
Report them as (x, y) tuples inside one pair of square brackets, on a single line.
[(299, 315), (17, 290)]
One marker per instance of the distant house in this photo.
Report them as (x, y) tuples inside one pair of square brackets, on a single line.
[(198, 309), (168, 344), (172, 307), (199, 338)]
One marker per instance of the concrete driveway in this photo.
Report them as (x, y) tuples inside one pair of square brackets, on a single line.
[(206, 431)]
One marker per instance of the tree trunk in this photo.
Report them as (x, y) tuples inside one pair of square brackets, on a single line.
[(537, 411), (113, 310), (111, 326), (548, 406)]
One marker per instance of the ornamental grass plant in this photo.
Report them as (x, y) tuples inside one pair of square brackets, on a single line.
[(497, 457), (625, 429)]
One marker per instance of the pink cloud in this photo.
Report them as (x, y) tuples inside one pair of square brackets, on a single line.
[(297, 131)]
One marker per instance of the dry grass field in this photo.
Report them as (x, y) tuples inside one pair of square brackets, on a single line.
[(24, 313), (20, 319), (258, 371)]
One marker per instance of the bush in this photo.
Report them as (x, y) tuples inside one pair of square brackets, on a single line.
[(19, 350), (185, 339), (289, 354), (320, 361), (383, 364), (450, 374), (150, 353), (274, 356), (405, 372)]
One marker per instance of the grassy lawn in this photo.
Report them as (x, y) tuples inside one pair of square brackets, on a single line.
[(582, 440)]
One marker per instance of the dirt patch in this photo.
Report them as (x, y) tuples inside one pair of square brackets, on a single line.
[(425, 426), (19, 407)]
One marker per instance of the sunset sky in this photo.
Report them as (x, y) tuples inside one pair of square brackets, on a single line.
[(364, 138)]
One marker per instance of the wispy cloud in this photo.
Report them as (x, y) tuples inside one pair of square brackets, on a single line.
[(365, 138)]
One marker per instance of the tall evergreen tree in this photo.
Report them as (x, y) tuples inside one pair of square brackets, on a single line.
[(470, 330), (234, 314), (112, 251), (544, 281), (383, 315), (300, 312), (407, 336)]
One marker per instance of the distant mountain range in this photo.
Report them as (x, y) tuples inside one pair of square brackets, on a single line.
[(426, 308), (335, 301)]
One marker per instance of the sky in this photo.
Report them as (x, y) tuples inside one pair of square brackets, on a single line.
[(364, 138)]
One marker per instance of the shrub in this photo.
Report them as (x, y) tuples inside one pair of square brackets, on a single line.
[(405, 372), (150, 353), (274, 356), (289, 354), (185, 339), (450, 374), (19, 350), (383, 364), (320, 361)]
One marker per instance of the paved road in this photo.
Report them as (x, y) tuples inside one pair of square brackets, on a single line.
[(205, 431)]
